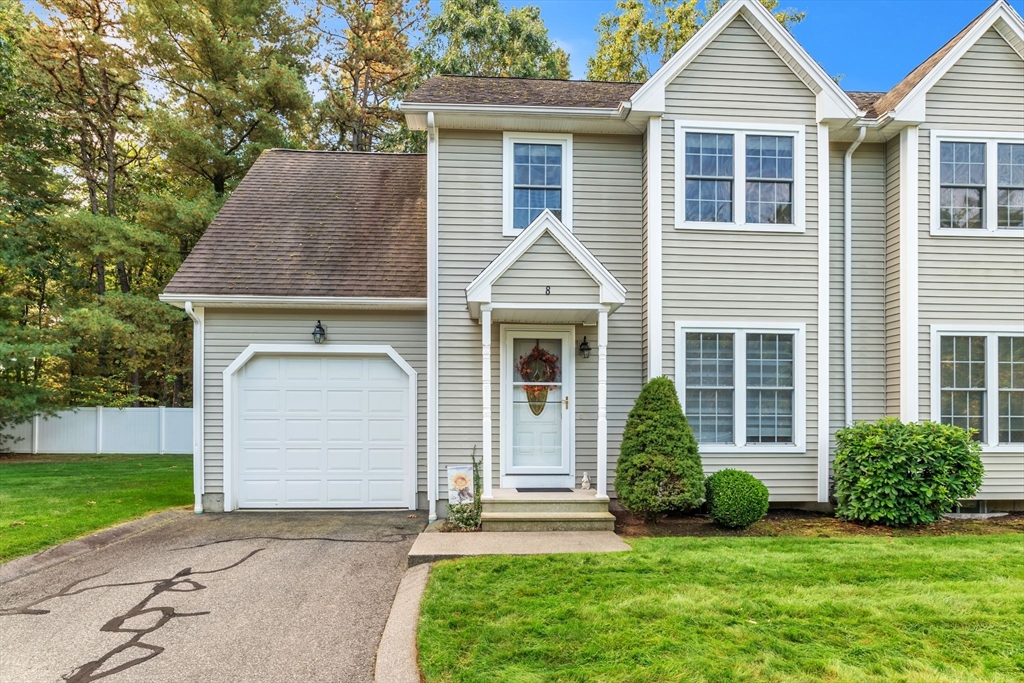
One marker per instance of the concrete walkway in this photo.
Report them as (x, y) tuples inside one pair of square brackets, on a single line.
[(431, 547)]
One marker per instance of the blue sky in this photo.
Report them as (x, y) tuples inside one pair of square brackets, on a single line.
[(875, 43)]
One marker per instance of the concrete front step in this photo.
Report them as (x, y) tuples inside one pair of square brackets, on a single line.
[(548, 520), (542, 505)]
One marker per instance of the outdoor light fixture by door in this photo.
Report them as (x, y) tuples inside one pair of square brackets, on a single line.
[(584, 348), (319, 333)]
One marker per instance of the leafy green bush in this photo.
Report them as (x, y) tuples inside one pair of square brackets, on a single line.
[(736, 498), (898, 474), (659, 464)]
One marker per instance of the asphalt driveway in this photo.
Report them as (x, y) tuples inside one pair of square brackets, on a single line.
[(274, 597)]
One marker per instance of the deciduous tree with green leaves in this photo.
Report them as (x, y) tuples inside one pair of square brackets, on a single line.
[(641, 35), (482, 38)]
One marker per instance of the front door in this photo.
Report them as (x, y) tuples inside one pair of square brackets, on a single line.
[(537, 408)]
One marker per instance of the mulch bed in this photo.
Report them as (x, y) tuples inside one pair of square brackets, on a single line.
[(784, 522)]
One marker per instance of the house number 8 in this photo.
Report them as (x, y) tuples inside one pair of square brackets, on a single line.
[(547, 290)]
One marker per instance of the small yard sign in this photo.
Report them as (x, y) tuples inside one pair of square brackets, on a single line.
[(460, 484)]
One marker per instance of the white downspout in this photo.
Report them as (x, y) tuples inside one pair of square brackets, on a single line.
[(432, 312), (848, 277), (198, 344)]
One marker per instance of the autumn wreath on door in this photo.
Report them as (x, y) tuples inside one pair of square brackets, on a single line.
[(540, 365)]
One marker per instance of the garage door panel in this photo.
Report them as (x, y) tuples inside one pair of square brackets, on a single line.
[(303, 401), (299, 430), (262, 368), (386, 491), (256, 430), (261, 491), (345, 369), (385, 459), (345, 459), (261, 401), (261, 460), (384, 370), (350, 401), (301, 369), (386, 431), (324, 432), (345, 491), (303, 460), (304, 492), (386, 401)]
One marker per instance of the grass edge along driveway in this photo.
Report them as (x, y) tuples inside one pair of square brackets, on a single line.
[(49, 499), (734, 609)]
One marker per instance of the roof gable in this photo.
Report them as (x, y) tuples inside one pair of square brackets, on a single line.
[(907, 100), (832, 102), (611, 292)]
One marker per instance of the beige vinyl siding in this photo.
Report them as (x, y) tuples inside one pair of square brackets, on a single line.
[(745, 276), (606, 218), (644, 258), (545, 264), (984, 90), (230, 331), (892, 277), (868, 329), (977, 281)]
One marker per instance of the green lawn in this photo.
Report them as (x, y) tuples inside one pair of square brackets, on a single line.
[(46, 500), (734, 609)]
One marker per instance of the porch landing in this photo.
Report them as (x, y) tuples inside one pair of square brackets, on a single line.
[(568, 511)]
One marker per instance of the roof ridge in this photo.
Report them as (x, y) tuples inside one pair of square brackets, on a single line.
[(535, 78), (346, 151)]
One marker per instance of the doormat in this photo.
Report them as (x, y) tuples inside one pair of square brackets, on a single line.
[(543, 490)]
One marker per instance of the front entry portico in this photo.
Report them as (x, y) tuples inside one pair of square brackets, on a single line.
[(538, 291)]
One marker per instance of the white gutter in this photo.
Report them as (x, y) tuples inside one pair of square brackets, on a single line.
[(333, 302), (432, 312), (848, 276), (198, 344)]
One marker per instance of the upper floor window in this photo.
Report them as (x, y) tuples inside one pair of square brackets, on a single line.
[(537, 176), (739, 176), (741, 388), (977, 183), (978, 383)]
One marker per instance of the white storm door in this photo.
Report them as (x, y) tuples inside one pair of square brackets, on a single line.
[(538, 407)]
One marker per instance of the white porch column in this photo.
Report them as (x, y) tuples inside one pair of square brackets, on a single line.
[(485, 335), (602, 403)]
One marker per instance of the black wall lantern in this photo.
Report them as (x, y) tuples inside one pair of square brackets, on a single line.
[(319, 333), (585, 348)]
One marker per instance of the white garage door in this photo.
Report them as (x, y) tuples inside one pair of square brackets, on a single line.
[(332, 431)]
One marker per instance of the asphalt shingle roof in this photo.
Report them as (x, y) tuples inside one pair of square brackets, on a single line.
[(525, 92), (337, 224)]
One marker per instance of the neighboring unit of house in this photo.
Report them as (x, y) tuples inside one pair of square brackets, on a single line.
[(794, 256)]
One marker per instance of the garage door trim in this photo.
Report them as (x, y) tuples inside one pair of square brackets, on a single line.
[(230, 388)]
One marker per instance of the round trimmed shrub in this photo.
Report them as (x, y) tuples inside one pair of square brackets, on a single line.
[(659, 465), (735, 498), (895, 473)]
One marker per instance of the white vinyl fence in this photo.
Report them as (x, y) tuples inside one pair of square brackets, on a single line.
[(107, 430)]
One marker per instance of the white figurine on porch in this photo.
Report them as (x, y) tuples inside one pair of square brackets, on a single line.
[(585, 483)]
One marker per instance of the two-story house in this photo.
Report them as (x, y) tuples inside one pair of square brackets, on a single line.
[(794, 256)]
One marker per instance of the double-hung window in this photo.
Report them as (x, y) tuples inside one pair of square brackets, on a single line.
[(742, 387), (537, 177), (978, 383), (739, 176), (977, 183)]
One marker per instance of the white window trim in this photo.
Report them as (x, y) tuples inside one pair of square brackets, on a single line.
[(739, 131), (508, 176), (991, 334), (992, 139), (799, 332)]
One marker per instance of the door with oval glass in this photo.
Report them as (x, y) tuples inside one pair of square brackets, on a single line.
[(537, 408)]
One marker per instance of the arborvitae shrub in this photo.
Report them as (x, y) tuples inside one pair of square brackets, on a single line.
[(736, 498), (895, 473), (659, 465)]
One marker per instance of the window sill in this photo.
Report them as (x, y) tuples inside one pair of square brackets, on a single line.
[(741, 227), (753, 449), (965, 232), (1014, 448)]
